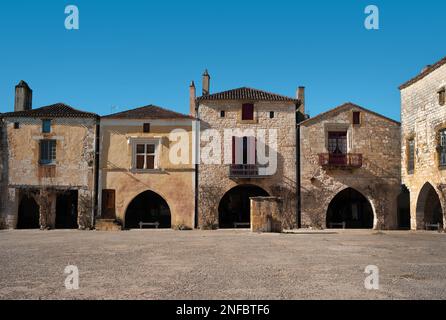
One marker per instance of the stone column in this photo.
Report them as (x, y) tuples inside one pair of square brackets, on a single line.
[(11, 208), (47, 209), (85, 210), (266, 214)]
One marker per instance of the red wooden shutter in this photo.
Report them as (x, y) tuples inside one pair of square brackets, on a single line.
[(248, 111)]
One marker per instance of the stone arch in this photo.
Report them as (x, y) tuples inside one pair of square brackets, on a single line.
[(28, 216), (234, 206), (351, 209), (429, 209), (148, 207)]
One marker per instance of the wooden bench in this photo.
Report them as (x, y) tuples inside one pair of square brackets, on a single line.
[(338, 224), (433, 226), (149, 224), (241, 224)]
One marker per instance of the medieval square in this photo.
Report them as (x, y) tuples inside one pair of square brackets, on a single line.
[(178, 152)]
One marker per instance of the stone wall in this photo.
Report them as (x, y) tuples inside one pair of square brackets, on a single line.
[(378, 179), (422, 117), (214, 179), (3, 176), (74, 168)]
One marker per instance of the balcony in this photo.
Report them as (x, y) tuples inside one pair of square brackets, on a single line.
[(246, 171), (340, 161)]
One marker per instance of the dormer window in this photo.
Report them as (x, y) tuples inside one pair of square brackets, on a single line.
[(46, 126), (442, 96), (247, 112)]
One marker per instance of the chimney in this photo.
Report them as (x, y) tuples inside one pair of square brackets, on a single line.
[(206, 83), (23, 97), (300, 95), (192, 96), (426, 68)]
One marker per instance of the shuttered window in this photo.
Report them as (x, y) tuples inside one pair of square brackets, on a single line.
[(247, 111)]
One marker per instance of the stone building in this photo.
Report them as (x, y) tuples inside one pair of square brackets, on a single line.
[(239, 129), (3, 174), (350, 169), (140, 178), (50, 165), (423, 152)]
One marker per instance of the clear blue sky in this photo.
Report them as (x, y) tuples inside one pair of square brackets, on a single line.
[(132, 53)]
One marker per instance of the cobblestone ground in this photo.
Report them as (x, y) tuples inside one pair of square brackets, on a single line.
[(165, 264)]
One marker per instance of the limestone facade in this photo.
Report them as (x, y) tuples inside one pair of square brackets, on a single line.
[(173, 181), (423, 116), (223, 111), (369, 164)]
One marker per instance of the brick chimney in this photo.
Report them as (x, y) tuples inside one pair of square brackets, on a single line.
[(23, 97), (192, 96), (206, 83), (300, 95)]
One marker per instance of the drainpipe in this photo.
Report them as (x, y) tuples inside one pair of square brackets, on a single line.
[(298, 177), (96, 172)]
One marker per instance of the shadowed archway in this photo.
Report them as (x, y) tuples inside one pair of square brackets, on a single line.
[(234, 209), (351, 210), (28, 215), (148, 207), (429, 210)]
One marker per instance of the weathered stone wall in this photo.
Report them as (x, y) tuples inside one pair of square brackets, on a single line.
[(215, 178), (3, 176), (422, 117), (377, 139), (266, 214), (173, 182), (74, 168)]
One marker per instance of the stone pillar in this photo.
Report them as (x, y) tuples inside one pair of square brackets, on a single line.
[(11, 208), (266, 214), (47, 209), (85, 210)]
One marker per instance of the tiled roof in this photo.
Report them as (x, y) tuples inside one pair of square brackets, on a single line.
[(148, 112), (423, 74), (58, 110), (343, 107), (245, 93)]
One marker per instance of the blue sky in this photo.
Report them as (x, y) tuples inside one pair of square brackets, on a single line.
[(133, 53)]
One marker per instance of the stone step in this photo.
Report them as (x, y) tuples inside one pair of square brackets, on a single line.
[(107, 225)]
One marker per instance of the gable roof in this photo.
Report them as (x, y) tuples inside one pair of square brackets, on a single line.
[(245, 93), (423, 74), (148, 112), (343, 107), (58, 110)]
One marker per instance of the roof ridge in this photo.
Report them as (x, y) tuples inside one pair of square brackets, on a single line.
[(424, 73), (237, 93)]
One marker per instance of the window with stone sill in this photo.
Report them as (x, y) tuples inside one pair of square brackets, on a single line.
[(411, 156), (442, 148), (442, 96), (47, 152), (145, 155)]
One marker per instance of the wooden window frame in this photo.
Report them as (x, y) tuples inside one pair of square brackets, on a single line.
[(146, 128), (156, 154), (252, 111), (44, 129), (357, 118), (51, 152), (442, 96)]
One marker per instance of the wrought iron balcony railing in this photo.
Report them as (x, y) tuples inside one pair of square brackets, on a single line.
[(343, 161), (245, 171)]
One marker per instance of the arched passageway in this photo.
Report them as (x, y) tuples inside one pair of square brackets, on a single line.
[(404, 209), (66, 210), (429, 211), (234, 209), (148, 207), (351, 210), (28, 215)]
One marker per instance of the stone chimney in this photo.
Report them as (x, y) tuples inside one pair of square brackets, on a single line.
[(206, 83), (426, 68), (23, 97), (300, 95), (192, 96)]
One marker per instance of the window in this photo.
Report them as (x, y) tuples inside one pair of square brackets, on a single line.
[(442, 96), (145, 156), (146, 128), (46, 126), (247, 111), (16, 125), (271, 115), (244, 150), (222, 114), (337, 143), (356, 118), (442, 148), (411, 156), (47, 152)]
